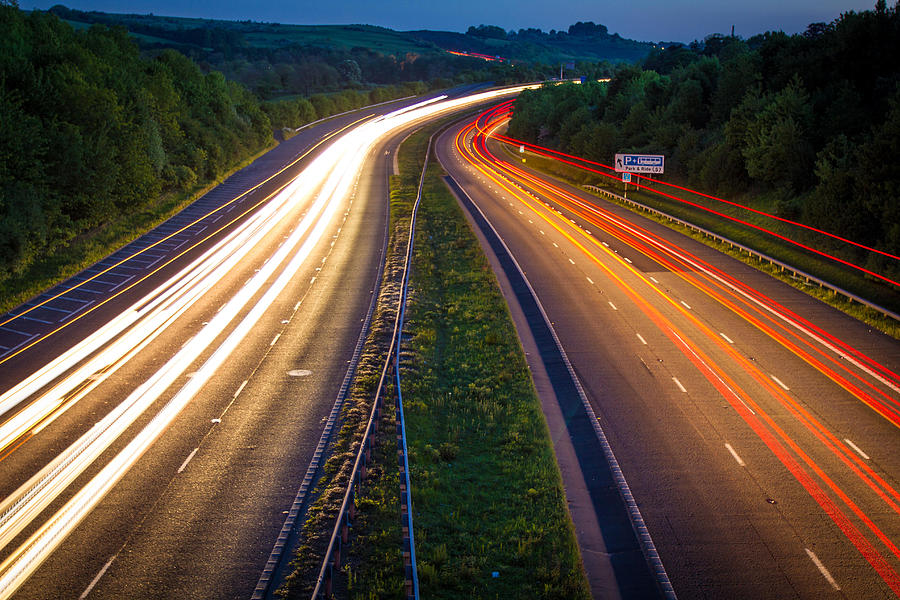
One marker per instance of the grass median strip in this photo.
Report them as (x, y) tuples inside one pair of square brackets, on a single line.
[(489, 509)]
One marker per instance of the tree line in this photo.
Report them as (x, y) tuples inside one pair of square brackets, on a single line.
[(263, 57), (93, 127), (90, 129), (809, 123)]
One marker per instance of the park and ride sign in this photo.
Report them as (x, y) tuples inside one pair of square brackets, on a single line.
[(640, 163)]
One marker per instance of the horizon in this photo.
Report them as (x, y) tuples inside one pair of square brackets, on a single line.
[(687, 21)]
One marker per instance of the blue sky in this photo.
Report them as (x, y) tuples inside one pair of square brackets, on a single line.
[(647, 20)]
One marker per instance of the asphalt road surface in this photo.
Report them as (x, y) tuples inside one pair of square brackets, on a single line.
[(764, 463), (186, 378)]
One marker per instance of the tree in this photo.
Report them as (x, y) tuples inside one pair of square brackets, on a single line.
[(777, 150)]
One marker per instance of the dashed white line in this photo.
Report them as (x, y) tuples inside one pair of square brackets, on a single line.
[(822, 569), (653, 279), (571, 261), (275, 339), (96, 578), (591, 281), (542, 232), (779, 382), (313, 280), (187, 460), (555, 245), (613, 306), (605, 244), (628, 260), (857, 449), (686, 305), (640, 337), (296, 306), (726, 338), (740, 461), (240, 389), (678, 383)]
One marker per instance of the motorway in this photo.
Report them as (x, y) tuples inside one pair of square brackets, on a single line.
[(159, 410), (756, 427)]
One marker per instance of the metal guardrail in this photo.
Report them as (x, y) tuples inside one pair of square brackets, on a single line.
[(797, 273), (275, 563), (341, 532)]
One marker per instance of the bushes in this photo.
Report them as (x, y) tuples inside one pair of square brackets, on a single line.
[(89, 129), (806, 120)]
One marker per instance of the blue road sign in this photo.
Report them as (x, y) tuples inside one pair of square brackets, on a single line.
[(640, 163)]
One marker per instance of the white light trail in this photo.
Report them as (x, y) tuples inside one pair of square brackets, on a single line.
[(335, 171)]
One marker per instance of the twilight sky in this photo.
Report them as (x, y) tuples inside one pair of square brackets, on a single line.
[(646, 20)]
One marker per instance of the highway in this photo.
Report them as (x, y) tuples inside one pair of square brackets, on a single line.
[(159, 410), (756, 427)]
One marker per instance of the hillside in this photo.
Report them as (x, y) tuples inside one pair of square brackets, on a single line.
[(208, 38), (582, 42)]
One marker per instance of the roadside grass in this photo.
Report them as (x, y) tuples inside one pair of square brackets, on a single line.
[(91, 247), (487, 495), (486, 490), (857, 283)]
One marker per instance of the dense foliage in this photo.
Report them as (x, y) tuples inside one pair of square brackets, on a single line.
[(581, 42), (275, 60), (808, 122), (89, 129)]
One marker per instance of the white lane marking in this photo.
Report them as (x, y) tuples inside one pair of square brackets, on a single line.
[(530, 221), (640, 337), (521, 213), (312, 281), (188, 459), (542, 232), (96, 579), (710, 371), (587, 232), (678, 383), (555, 245), (653, 279), (857, 449), (779, 382), (628, 260), (822, 569), (571, 261), (726, 338), (740, 462), (591, 281), (605, 244), (275, 339), (240, 389), (686, 305), (296, 306), (613, 306)]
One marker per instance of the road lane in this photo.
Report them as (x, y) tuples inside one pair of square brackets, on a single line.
[(723, 529), (293, 319)]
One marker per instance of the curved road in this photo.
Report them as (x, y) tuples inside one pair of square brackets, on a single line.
[(759, 467), (213, 444)]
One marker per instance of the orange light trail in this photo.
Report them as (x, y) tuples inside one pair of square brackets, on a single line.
[(769, 432)]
